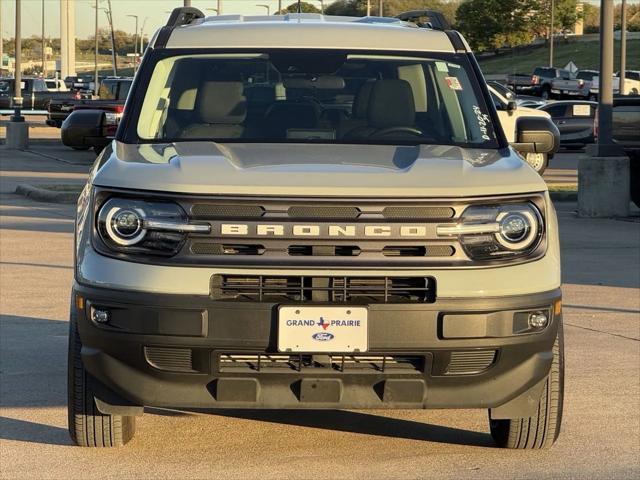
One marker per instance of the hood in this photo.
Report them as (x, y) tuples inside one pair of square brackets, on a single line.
[(317, 170)]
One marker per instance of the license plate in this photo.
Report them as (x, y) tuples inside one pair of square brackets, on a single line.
[(322, 329)]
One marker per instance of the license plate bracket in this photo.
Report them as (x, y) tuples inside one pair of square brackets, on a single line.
[(323, 329)]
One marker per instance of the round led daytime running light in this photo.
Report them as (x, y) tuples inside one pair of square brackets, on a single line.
[(125, 226)]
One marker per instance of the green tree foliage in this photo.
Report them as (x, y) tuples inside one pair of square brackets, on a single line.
[(305, 7), (391, 8), (490, 24)]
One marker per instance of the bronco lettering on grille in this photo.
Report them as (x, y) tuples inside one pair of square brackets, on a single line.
[(320, 230)]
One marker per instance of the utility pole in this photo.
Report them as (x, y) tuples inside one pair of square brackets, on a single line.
[(96, 79), (368, 8), (135, 45), (279, 7), (17, 128), (381, 8), (623, 46), (1, 42), (603, 175), (265, 6), (114, 58), (44, 53), (17, 87), (187, 3), (142, 35), (220, 7), (551, 31)]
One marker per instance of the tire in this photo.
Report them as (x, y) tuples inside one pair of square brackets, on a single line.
[(538, 161), (89, 427), (542, 430), (546, 93)]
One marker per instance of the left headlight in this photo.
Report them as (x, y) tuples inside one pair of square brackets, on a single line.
[(497, 231), (137, 226)]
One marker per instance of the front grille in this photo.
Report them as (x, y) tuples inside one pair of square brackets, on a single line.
[(470, 362), (258, 288), (418, 212), (170, 359), (267, 363)]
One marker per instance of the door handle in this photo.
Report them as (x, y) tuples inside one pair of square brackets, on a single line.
[(561, 122)]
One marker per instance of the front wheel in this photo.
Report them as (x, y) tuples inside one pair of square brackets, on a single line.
[(541, 430), (538, 161), (88, 427)]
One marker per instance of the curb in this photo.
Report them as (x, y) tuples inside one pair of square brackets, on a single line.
[(564, 196), (42, 195)]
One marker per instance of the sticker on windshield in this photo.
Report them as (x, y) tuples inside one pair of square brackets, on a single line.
[(483, 122), (454, 83), (442, 67)]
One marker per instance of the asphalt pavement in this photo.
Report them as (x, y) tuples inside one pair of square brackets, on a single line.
[(601, 426)]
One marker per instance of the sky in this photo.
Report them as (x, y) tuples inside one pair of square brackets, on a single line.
[(155, 12)]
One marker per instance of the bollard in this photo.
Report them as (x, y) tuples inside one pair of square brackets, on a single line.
[(603, 186), (17, 135)]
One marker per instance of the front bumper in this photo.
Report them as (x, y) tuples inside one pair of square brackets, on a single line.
[(188, 351)]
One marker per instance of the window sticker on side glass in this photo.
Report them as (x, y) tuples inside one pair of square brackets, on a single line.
[(581, 110), (442, 67), (454, 83)]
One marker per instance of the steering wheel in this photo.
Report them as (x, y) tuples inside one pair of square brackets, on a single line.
[(389, 130)]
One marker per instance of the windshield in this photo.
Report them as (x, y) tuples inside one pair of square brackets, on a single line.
[(327, 97)]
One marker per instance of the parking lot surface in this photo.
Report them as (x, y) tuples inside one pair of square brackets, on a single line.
[(601, 426)]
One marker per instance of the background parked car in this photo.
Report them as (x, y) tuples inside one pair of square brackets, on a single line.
[(56, 85), (577, 87), (574, 119), (631, 84), (508, 113), (510, 94), (35, 94)]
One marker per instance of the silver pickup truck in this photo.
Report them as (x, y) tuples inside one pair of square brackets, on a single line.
[(578, 87)]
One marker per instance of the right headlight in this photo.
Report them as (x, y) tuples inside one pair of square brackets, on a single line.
[(496, 231)]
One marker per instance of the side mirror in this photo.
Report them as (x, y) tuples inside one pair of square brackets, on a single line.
[(512, 106), (536, 135), (84, 128)]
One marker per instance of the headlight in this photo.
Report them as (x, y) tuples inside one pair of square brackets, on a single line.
[(491, 231), (137, 226)]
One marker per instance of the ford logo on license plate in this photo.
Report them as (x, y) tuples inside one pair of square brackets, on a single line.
[(322, 336)]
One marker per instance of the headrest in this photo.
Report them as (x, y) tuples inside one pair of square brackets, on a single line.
[(391, 104), (361, 101), (222, 102)]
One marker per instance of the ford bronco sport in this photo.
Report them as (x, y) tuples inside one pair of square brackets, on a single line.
[(315, 212)]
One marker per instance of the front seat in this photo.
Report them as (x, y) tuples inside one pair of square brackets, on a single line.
[(221, 109), (391, 111)]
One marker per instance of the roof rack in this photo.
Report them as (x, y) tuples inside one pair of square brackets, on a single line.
[(435, 19), (183, 16)]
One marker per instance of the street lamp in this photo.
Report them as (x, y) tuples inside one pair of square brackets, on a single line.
[(135, 45), (213, 10), (265, 6)]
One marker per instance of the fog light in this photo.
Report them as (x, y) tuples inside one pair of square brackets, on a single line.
[(102, 316), (538, 320)]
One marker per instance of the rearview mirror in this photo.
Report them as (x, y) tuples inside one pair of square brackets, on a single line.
[(536, 135)]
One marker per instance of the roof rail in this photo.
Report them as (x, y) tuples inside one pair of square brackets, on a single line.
[(435, 20), (183, 16)]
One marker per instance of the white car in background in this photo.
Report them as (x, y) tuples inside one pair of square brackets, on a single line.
[(631, 84), (55, 85), (508, 113)]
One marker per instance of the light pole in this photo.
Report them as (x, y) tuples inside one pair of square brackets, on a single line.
[(1, 42), (219, 9), (135, 45), (95, 55), (144, 22), (551, 30), (265, 6), (17, 86), (213, 10), (368, 8), (623, 45), (381, 8), (44, 53)]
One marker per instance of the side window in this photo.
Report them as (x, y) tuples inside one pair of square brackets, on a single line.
[(556, 111)]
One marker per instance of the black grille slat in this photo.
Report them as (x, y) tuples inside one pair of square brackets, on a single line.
[(206, 210), (335, 289), (324, 212), (170, 359), (415, 213), (343, 363), (470, 362)]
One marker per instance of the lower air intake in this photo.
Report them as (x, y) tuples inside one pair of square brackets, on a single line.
[(470, 362), (169, 359)]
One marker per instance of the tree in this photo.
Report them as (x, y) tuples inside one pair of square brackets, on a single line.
[(358, 8), (305, 7), (491, 24)]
